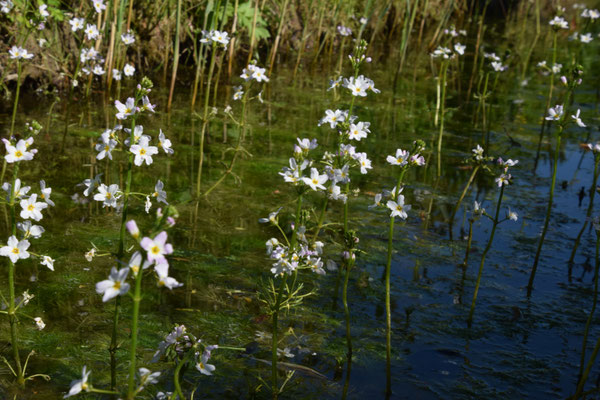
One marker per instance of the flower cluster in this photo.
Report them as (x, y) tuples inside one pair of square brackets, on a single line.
[(395, 201), (181, 345), (254, 72), (217, 37), (304, 256), (505, 178)]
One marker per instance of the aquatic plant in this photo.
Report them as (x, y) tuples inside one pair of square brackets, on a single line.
[(502, 181), (18, 245), (395, 203), (559, 115)]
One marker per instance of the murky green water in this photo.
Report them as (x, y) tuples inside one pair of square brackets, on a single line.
[(517, 348)]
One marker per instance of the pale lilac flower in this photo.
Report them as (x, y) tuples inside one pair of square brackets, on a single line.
[(555, 114), (19, 152), (129, 70), (315, 181), (115, 285), (125, 110), (19, 53), (164, 143), (398, 207), (15, 249), (39, 323), (32, 208), (143, 151), (108, 195), (127, 39), (99, 5), (80, 385), (578, 120), (401, 158), (157, 248)]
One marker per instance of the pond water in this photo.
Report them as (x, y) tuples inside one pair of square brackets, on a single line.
[(518, 347)]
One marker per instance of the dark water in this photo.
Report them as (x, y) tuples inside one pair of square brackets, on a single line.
[(517, 347)]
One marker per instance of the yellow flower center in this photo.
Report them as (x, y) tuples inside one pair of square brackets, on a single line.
[(108, 195), (18, 154), (155, 250), (30, 207), (117, 285), (142, 152), (15, 250), (315, 181)]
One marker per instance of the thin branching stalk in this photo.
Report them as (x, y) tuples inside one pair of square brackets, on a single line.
[(175, 54), (442, 82), (594, 304), (460, 199), (485, 251), (388, 306)]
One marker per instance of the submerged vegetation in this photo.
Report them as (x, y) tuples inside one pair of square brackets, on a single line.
[(160, 135)]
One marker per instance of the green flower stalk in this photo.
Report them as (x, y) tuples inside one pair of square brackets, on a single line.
[(503, 180), (478, 161), (596, 150), (559, 115), (586, 332)]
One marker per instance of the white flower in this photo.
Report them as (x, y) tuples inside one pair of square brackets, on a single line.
[(45, 193), (358, 86), (98, 70), (146, 377), (503, 180), (115, 285), (513, 216), (127, 39), (143, 151), (91, 32), (29, 230), (555, 114), (498, 66), (220, 37), (19, 152), (15, 249), (91, 185), (315, 181), (108, 195), (157, 248), (18, 53), (147, 204), (359, 130), (128, 70), (164, 143), (18, 191), (6, 6), (478, 153), (125, 110), (202, 364), (401, 158), (586, 38), (460, 49), (238, 92), (76, 24), (43, 11), (80, 385), (32, 208), (146, 105), (364, 162), (558, 23), (106, 145), (259, 75), (116, 74), (162, 271), (99, 5), (398, 207), (333, 118), (159, 193), (556, 68), (90, 254), (344, 31), (334, 83), (578, 120), (39, 323), (48, 262)]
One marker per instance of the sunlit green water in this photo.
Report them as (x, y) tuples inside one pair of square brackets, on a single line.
[(517, 347)]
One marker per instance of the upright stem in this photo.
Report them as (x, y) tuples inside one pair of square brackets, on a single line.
[(175, 54), (442, 112), (469, 240), (205, 119), (487, 248), (594, 303), (137, 296), (120, 253), (388, 308), (460, 199), (275, 342), (16, 103), (548, 100), (588, 213), (12, 317), (548, 212)]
